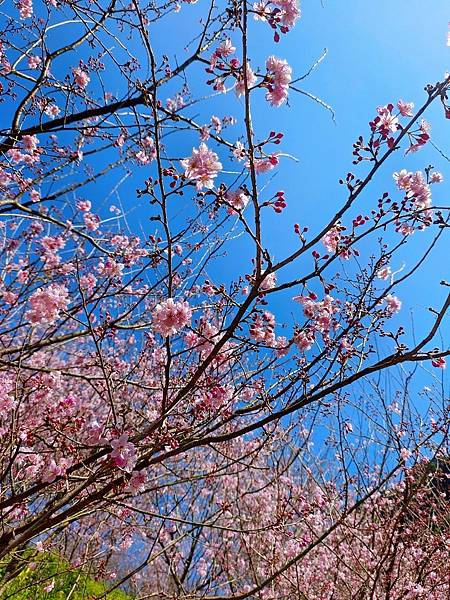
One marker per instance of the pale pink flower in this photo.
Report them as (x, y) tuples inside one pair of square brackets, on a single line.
[(169, 316), (7, 389), (52, 111), (416, 188), (84, 205), (225, 49), (251, 80), (394, 305), (30, 142), (203, 166), (405, 108), (262, 330), (405, 453), (81, 77), (88, 282), (304, 339), (111, 268), (54, 470), (237, 200), (34, 61), (46, 304), (9, 297), (290, 12), (436, 177), (388, 121), (348, 427), (174, 104), (384, 273), (91, 221), (282, 346), (263, 165), (137, 482), (268, 282), (279, 75), (49, 587), (239, 151), (35, 196)]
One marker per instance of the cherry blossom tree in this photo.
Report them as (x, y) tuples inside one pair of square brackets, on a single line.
[(163, 420)]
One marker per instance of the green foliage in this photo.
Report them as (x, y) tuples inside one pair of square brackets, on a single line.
[(71, 583)]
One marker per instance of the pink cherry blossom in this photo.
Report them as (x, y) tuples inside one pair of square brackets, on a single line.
[(54, 470), (170, 316), (384, 273), (279, 77), (202, 167), (237, 200), (393, 304), (124, 453), (137, 482), (81, 78), (251, 80), (405, 108), (34, 61), (387, 121), (52, 110), (84, 205), (25, 8), (47, 303)]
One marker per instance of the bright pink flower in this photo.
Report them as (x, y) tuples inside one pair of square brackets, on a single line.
[(54, 470), (439, 362), (46, 304), (170, 316), (124, 453), (203, 166)]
